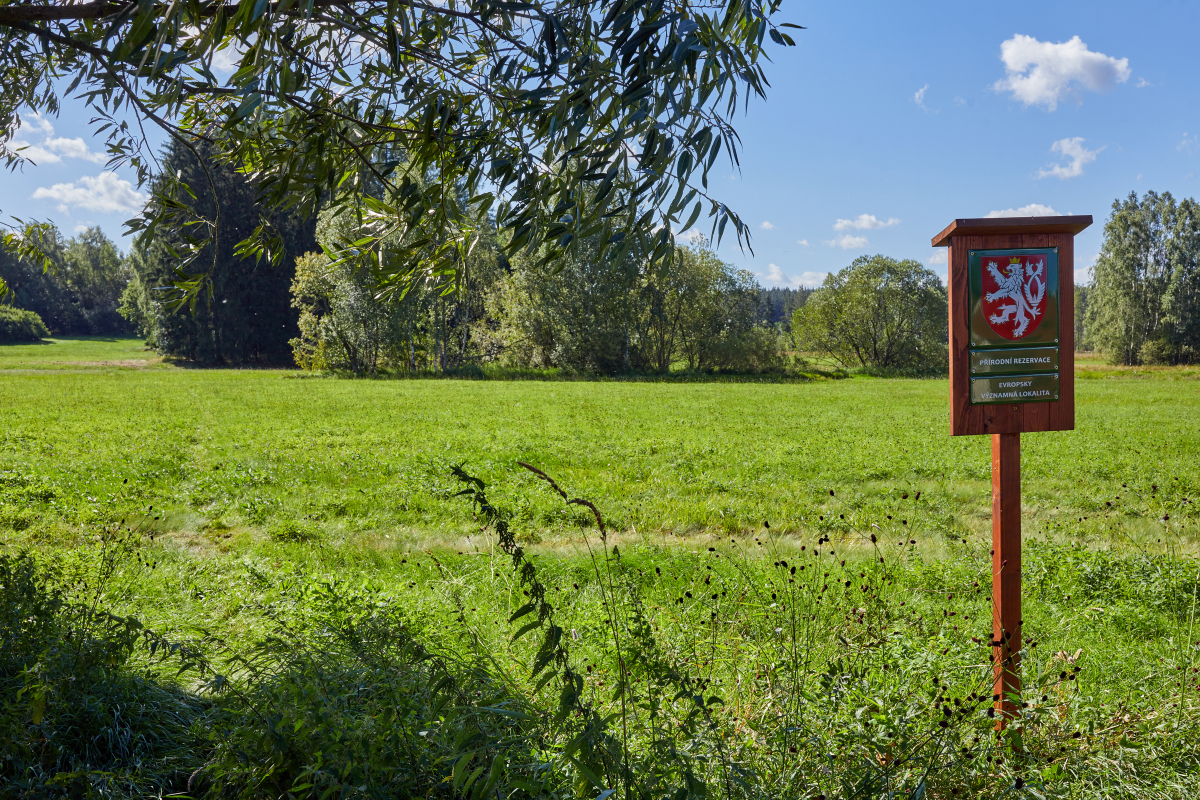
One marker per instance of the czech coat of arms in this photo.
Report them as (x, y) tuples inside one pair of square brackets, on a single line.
[(1014, 294)]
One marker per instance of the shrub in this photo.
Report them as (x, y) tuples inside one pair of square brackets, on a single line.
[(20, 325), (75, 718)]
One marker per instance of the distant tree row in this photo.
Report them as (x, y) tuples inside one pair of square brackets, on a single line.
[(781, 304), (594, 315), (597, 313), (79, 293), (1143, 306)]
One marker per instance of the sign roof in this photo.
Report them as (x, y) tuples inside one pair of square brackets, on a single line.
[(987, 226)]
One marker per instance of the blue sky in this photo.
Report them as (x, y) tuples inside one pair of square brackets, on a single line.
[(886, 122)]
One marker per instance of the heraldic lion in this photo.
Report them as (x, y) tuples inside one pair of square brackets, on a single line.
[(1025, 287)]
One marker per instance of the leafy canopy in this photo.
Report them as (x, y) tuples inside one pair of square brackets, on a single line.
[(1144, 302), (565, 119), (877, 312)]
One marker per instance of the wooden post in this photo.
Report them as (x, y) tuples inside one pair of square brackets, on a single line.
[(1006, 572)]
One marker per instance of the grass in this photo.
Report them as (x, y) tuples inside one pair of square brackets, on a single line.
[(240, 449), (272, 518)]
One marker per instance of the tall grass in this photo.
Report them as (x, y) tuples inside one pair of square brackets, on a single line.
[(755, 666)]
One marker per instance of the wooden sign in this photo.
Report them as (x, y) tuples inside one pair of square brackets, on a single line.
[(1012, 362), (1012, 292)]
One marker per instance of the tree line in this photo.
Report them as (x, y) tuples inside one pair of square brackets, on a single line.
[(595, 312), (80, 292), (1143, 305), (591, 314)]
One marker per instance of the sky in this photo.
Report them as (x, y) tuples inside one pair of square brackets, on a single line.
[(883, 124)]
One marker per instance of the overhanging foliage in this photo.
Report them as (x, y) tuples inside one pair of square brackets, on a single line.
[(566, 119)]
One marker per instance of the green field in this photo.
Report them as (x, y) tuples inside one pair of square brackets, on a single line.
[(269, 518), (240, 448)]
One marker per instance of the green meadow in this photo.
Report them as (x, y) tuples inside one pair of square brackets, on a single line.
[(109, 430), (790, 597)]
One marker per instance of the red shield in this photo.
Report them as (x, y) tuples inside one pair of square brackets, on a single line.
[(1014, 294)]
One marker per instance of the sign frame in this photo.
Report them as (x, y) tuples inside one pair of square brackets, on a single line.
[(962, 237)]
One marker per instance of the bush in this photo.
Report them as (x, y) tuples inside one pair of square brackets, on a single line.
[(19, 325), (1162, 352)]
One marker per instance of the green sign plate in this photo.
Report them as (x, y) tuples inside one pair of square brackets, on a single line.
[(1014, 297), (1014, 360), (1014, 389)]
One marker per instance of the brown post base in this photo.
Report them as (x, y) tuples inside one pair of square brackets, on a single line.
[(1006, 573)]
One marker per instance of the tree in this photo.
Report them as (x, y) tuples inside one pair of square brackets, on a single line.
[(342, 324), (244, 313), (607, 316), (1144, 302), (1083, 340), (573, 121), (878, 312), (345, 324), (583, 317), (720, 326), (78, 291)]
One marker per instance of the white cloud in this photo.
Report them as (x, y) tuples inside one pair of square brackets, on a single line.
[(766, 226), (1042, 73), (1074, 150), (919, 99), (1187, 144), (39, 124), (1031, 210), (35, 153), (958, 101), (75, 148), (774, 275), (49, 150), (82, 227), (938, 257), (226, 61), (864, 222), (693, 236), (803, 242), (1143, 83), (848, 242), (105, 193)]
